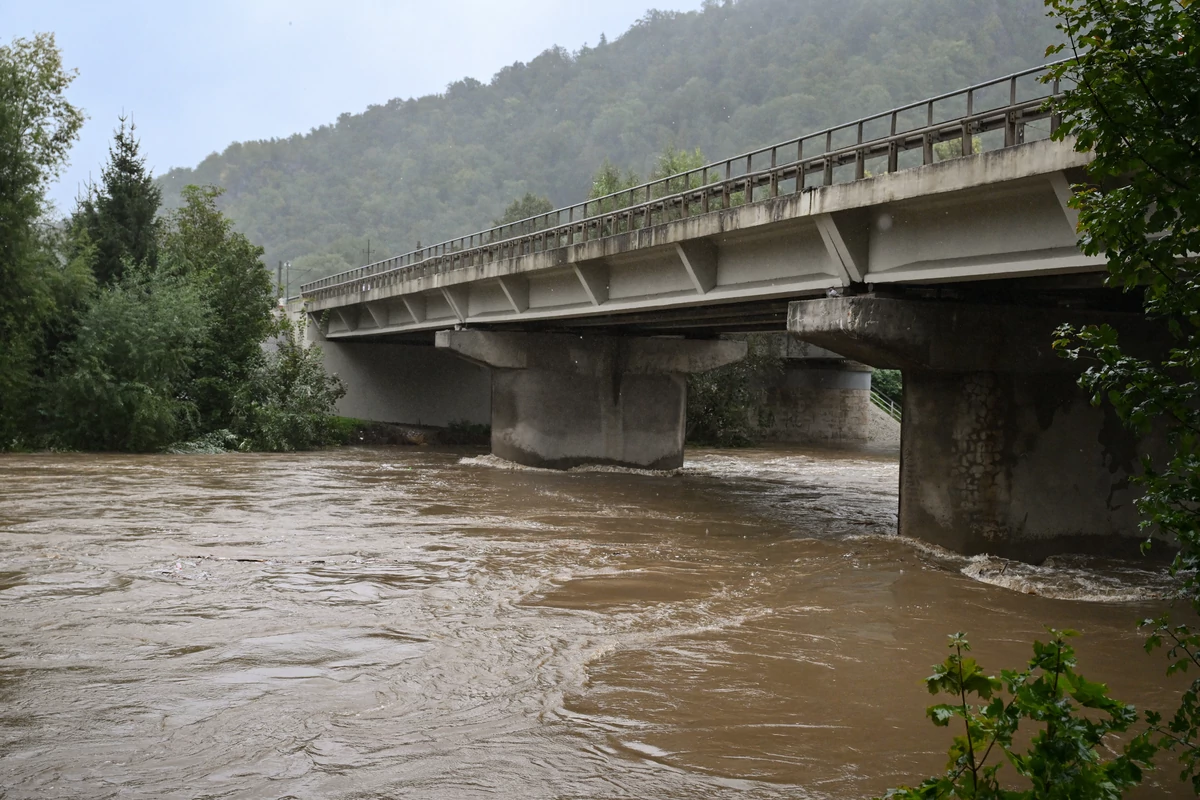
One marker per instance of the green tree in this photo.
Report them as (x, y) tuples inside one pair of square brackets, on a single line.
[(37, 128), (670, 167), (288, 401), (312, 267), (609, 180), (674, 161), (952, 148), (119, 217), (122, 382), (889, 383), (721, 402), (199, 244), (1136, 90), (531, 205)]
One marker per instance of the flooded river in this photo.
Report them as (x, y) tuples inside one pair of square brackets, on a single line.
[(393, 623)]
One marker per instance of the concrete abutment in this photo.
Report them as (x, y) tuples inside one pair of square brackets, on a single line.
[(812, 396)]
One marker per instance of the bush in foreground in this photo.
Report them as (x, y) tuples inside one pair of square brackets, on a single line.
[(288, 401), (1073, 718)]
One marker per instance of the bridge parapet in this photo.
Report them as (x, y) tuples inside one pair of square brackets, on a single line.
[(1006, 109)]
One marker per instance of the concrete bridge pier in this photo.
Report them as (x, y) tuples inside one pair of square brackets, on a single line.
[(1001, 452), (562, 400), (815, 397)]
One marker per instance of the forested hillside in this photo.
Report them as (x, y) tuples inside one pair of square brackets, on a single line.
[(728, 78)]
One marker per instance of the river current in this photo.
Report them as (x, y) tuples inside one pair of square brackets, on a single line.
[(401, 622)]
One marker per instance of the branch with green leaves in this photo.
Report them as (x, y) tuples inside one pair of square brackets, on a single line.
[(1075, 719)]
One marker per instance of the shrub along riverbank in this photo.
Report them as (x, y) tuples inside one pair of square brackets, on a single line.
[(124, 329)]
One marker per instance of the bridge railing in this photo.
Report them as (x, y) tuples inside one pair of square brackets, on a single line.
[(989, 115), (887, 404)]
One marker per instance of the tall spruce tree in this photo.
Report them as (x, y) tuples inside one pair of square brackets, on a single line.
[(120, 215)]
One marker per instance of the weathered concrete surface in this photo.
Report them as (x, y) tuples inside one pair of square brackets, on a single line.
[(882, 429), (560, 401), (999, 214), (816, 402), (408, 384), (1015, 464), (1001, 452), (806, 394)]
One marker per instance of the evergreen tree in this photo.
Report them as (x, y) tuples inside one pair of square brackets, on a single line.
[(119, 217)]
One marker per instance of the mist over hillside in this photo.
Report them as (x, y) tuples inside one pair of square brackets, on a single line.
[(728, 78)]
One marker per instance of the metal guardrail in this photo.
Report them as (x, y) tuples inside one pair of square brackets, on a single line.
[(889, 406), (779, 169)]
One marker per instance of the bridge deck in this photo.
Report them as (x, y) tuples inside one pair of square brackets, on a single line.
[(755, 238)]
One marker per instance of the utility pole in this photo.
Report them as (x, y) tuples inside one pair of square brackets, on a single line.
[(279, 280), (367, 252)]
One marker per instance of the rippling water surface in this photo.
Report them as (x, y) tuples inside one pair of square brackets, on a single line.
[(385, 623)]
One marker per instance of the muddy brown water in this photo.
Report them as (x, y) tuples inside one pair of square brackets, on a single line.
[(398, 622)]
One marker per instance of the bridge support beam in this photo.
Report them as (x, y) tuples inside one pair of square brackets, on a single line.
[(561, 400), (1001, 452)]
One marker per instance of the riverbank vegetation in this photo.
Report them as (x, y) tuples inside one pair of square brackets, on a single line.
[(723, 404), (1134, 75), (124, 328)]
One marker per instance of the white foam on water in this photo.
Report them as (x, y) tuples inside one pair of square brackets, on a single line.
[(1076, 578), (1086, 579), (495, 462)]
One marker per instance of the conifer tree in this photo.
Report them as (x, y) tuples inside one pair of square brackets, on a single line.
[(119, 216)]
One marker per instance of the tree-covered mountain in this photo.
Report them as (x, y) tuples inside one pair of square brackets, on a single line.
[(733, 76)]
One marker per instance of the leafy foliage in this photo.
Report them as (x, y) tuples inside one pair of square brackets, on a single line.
[(168, 347), (609, 180), (199, 243), (531, 205), (726, 78), (1074, 719), (121, 381), (288, 401), (37, 128), (720, 402), (889, 383), (1136, 79), (944, 151)]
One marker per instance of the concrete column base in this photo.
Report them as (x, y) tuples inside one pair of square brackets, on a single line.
[(1001, 452), (1015, 464), (561, 401)]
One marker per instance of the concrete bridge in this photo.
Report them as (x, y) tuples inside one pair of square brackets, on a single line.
[(890, 241)]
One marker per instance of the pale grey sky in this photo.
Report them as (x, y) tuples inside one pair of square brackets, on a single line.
[(196, 76)]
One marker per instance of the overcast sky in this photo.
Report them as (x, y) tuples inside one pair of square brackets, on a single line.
[(196, 76)]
